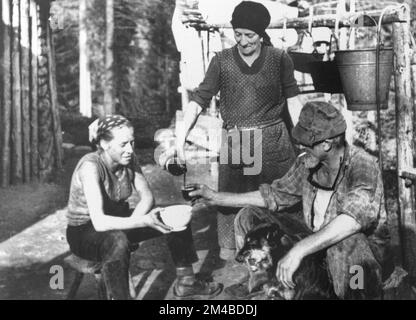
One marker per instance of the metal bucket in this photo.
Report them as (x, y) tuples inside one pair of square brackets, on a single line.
[(357, 70)]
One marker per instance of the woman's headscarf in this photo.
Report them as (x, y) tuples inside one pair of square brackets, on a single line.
[(253, 16)]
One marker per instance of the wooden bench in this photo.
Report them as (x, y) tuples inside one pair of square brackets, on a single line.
[(82, 267)]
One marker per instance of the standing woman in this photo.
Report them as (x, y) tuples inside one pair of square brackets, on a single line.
[(255, 82), (102, 228)]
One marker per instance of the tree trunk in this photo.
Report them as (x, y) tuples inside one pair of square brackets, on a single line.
[(25, 80), (45, 121), (56, 122), (17, 155), (6, 98), (35, 52), (109, 107), (84, 70)]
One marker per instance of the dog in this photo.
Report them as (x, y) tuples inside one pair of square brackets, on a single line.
[(263, 247)]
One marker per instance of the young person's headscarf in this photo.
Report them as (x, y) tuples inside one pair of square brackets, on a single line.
[(101, 127)]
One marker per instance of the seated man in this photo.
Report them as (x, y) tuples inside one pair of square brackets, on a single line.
[(341, 191)]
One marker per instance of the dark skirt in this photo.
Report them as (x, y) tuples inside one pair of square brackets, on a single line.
[(277, 156)]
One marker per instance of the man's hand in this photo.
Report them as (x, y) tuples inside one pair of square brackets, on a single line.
[(287, 266), (206, 194), (152, 220)]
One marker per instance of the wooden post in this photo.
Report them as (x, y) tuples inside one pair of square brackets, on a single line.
[(35, 52), (84, 70), (166, 84), (17, 156), (25, 80), (56, 122), (46, 146), (6, 98), (109, 105), (405, 149)]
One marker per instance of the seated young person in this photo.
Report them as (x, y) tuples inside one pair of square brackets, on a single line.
[(101, 227)]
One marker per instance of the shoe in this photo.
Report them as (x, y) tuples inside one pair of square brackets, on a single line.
[(239, 291), (199, 289)]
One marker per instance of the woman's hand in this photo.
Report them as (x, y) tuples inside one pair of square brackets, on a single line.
[(152, 220), (204, 195)]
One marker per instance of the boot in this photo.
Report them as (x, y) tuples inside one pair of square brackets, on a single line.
[(187, 286)]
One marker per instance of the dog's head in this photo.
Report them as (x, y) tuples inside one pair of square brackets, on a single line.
[(256, 252), (263, 247)]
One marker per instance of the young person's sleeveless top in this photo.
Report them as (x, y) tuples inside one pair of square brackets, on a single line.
[(115, 190)]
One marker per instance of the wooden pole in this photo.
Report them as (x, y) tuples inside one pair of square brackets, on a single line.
[(25, 78), (327, 21), (405, 148), (17, 153), (84, 70), (109, 105), (56, 122), (6, 97), (35, 52)]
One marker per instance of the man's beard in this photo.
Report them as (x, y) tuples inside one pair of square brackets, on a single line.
[(310, 161)]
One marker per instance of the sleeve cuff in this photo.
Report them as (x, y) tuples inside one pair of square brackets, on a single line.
[(267, 194), (291, 92), (198, 100), (364, 221)]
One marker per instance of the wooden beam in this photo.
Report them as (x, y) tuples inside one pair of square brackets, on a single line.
[(25, 81), (6, 97), (17, 150), (405, 147), (328, 21)]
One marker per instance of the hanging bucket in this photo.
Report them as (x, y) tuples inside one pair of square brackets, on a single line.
[(357, 70)]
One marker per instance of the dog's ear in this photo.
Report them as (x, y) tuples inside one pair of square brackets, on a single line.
[(272, 237)]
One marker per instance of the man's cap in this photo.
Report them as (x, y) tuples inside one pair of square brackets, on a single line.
[(318, 121)]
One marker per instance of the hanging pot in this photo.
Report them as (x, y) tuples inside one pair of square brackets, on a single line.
[(301, 60), (325, 75)]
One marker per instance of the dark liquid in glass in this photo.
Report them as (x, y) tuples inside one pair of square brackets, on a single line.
[(185, 192), (176, 169)]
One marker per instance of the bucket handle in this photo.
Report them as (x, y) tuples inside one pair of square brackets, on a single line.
[(330, 51), (363, 15)]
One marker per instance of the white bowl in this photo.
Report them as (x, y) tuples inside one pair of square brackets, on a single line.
[(177, 217)]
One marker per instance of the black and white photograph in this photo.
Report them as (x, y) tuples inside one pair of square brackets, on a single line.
[(207, 154)]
